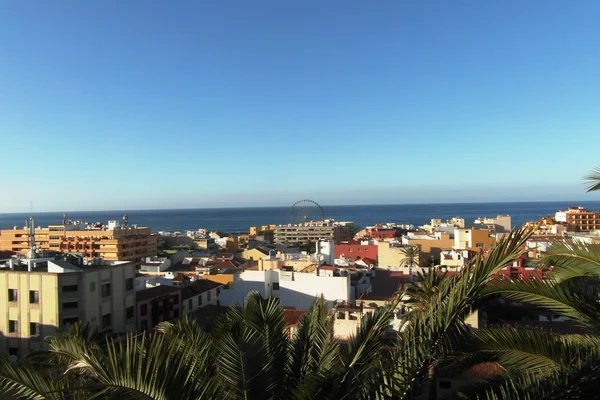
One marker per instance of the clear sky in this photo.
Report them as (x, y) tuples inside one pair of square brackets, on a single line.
[(172, 104)]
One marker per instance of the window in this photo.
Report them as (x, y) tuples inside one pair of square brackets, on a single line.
[(129, 284), (34, 329), (13, 351), (70, 305), (70, 320), (92, 286), (106, 320), (144, 309), (275, 285), (199, 300), (176, 313), (34, 296), (176, 299), (479, 245), (208, 296), (12, 326), (129, 312), (191, 304), (12, 295), (144, 325), (69, 288), (341, 315), (105, 289)]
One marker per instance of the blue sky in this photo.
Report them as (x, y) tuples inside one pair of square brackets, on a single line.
[(155, 104)]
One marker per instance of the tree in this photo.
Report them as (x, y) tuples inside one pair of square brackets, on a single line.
[(412, 256)]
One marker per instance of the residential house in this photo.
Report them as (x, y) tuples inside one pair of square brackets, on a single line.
[(157, 304), (200, 293)]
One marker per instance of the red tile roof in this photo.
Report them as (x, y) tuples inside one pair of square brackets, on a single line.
[(292, 317)]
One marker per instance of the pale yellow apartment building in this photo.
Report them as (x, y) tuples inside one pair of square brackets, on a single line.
[(41, 296)]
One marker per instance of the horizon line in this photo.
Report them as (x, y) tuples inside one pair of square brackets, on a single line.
[(290, 206)]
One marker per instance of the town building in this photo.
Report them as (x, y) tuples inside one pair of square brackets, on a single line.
[(157, 304), (520, 269), (430, 245), (437, 225), (314, 231), (473, 239), (200, 293), (500, 224), (43, 295), (356, 249), (112, 242), (294, 289), (579, 219)]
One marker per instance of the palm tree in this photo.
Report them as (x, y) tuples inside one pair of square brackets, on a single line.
[(412, 256)]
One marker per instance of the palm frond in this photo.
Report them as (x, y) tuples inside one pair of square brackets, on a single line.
[(593, 180), (523, 350), (313, 349), (27, 381), (550, 296), (363, 358), (571, 259)]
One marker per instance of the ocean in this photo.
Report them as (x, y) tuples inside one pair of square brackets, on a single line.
[(239, 219)]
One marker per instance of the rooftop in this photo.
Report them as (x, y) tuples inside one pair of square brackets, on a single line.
[(154, 292), (198, 287)]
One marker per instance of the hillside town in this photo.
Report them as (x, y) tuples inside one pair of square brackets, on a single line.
[(122, 278)]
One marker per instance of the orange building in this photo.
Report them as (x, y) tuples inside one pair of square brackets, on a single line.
[(115, 242), (579, 219)]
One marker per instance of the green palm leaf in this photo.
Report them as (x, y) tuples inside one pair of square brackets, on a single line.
[(523, 350), (551, 296), (571, 259), (593, 180)]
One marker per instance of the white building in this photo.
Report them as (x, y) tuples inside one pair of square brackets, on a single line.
[(155, 264), (454, 259), (294, 289), (325, 252)]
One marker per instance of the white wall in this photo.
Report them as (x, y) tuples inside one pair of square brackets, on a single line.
[(297, 290), (304, 288)]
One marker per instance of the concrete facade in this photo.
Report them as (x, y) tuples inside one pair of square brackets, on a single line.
[(294, 289), (43, 301)]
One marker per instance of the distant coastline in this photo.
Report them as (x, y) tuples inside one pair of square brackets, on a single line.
[(238, 219)]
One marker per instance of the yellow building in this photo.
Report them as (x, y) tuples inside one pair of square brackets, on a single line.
[(42, 296), (473, 239), (114, 242), (254, 254)]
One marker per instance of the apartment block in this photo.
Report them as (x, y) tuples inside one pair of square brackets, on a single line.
[(579, 219), (112, 242), (314, 231), (42, 296)]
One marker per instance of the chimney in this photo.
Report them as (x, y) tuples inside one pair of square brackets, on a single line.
[(11, 264), (29, 265)]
